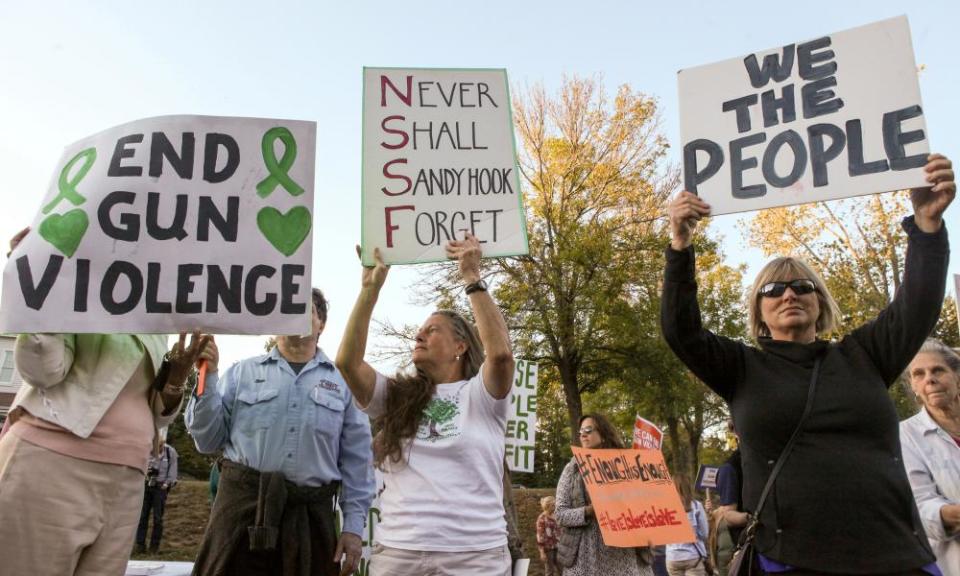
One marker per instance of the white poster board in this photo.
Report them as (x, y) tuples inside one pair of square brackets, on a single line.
[(833, 117), (169, 224), (522, 418), (439, 160)]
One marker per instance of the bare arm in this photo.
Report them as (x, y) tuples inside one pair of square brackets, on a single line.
[(950, 516), (360, 376), (498, 366), (733, 517)]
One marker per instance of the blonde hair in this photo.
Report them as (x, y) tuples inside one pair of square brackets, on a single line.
[(784, 269), (548, 501)]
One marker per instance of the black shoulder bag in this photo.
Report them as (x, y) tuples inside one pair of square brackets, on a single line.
[(743, 556)]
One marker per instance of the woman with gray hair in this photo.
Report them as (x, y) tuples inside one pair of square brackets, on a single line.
[(818, 430), (931, 449), (439, 439)]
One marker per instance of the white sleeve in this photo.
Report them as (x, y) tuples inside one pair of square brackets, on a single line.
[(925, 490), (378, 403), (479, 394)]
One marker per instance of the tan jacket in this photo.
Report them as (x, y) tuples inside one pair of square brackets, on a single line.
[(72, 379)]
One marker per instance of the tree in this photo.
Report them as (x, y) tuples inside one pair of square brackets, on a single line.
[(653, 382), (584, 303), (858, 247), (439, 411), (595, 185)]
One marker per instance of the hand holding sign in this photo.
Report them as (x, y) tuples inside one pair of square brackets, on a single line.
[(930, 203), (467, 252), (684, 212), (15, 241), (373, 276)]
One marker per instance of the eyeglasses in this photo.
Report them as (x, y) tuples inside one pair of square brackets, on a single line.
[(587, 430), (800, 287)]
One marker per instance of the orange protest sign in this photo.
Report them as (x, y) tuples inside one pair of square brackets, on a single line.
[(633, 497)]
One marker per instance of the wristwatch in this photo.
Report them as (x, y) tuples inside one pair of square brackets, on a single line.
[(478, 286)]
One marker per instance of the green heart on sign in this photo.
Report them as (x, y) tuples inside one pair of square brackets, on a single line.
[(285, 231), (65, 231)]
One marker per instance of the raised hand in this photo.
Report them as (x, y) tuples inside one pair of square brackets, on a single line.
[(929, 203), (374, 276), (183, 358), (467, 252), (684, 212), (15, 241)]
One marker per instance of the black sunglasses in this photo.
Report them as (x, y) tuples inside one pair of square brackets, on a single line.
[(800, 287)]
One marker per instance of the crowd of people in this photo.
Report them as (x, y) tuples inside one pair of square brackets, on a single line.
[(300, 432)]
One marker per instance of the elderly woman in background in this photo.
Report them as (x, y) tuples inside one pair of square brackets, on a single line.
[(574, 513), (931, 449), (845, 463)]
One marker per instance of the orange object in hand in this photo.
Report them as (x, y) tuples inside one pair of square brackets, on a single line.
[(202, 377)]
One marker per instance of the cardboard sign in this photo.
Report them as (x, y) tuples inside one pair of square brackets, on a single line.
[(707, 477), (646, 434), (522, 419), (439, 160), (833, 117), (171, 224), (633, 497)]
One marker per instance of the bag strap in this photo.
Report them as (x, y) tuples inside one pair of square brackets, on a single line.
[(793, 439)]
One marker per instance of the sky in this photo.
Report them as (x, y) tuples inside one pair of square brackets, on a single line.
[(69, 69)]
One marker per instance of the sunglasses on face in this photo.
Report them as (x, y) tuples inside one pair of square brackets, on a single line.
[(586, 431), (800, 287)]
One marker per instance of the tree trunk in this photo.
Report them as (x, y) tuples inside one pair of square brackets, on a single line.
[(693, 443), (677, 458), (571, 391)]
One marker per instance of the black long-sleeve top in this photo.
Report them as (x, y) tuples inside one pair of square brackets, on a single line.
[(842, 502)]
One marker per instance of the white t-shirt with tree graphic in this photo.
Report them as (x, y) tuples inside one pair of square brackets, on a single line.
[(447, 496)]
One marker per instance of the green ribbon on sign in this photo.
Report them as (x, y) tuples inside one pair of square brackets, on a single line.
[(278, 170), (67, 185)]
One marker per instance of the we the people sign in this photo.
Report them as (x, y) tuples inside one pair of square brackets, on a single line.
[(521, 433), (172, 224), (439, 161), (633, 497), (832, 117)]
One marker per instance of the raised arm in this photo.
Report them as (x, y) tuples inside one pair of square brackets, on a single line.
[(499, 364), (714, 359), (360, 376), (900, 329)]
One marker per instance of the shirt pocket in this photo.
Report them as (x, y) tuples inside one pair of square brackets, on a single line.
[(328, 410), (258, 408)]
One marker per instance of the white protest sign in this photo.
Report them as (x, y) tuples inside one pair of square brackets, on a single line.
[(439, 160), (834, 117), (522, 418), (171, 224)]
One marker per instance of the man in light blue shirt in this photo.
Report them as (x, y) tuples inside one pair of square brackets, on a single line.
[(292, 440)]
